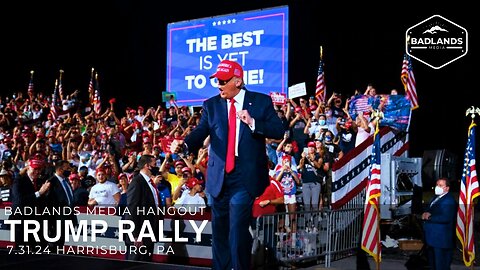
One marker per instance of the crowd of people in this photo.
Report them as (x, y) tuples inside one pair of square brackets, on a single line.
[(103, 149), (95, 155)]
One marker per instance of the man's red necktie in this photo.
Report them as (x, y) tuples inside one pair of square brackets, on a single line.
[(232, 131)]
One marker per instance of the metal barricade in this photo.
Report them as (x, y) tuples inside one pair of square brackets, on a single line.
[(285, 239)]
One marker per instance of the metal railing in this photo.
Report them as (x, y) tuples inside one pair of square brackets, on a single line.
[(285, 239)]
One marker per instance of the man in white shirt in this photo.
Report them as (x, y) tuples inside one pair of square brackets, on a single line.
[(104, 193)]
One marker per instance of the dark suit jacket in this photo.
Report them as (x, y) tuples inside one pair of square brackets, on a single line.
[(58, 198), (251, 146), (440, 228), (80, 197), (140, 196), (23, 195)]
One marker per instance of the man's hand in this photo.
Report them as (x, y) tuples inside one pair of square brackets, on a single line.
[(245, 117), (264, 203), (426, 216), (44, 188), (176, 146)]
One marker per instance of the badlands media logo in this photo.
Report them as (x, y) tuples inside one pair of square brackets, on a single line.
[(436, 41)]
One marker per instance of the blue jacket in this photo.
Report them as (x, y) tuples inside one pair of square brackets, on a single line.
[(251, 145), (440, 228)]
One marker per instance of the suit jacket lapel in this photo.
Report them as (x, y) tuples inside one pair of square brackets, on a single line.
[(223, 120), (148, 190)]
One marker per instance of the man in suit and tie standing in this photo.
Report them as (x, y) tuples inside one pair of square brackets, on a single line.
[(238, 122), (29, 192), (60, 197), (439, 226), (142, 197)]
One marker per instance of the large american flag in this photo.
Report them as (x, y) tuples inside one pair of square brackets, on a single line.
[(468, 192), (371, 219), (320, 89), (408, 81), (351, 173)]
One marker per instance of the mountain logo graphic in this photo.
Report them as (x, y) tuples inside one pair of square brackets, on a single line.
[(434, 30)]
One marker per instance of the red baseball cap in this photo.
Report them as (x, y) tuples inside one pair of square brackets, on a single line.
[(122, 175), (186, 169), (74, 176), (179, 162), (192, 182), (36, 163), (228, 69), (311, 144)]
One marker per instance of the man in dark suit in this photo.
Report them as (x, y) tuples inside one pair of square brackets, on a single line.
[(439, 226), (142, 195), (29, 192), (238, 122), (61, 197)]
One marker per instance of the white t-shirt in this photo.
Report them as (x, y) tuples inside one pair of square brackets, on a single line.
[(103, 193), (189, 202)]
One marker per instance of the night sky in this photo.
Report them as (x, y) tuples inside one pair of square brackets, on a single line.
[(126, 42)]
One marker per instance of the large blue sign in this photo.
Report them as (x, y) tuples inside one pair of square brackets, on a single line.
[(258, 40)]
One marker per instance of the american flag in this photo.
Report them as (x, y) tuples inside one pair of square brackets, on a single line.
[(53, 107), (371, 219), (97, 104), (320, 89), (408, 81), (30, 84), (350, 174), (360, 104), (468, 192), (60, 84)]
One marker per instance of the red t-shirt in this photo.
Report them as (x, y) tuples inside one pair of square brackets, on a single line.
[(272, 192)]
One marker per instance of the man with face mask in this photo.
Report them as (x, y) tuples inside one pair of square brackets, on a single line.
[(60, 197), (143, 195), (439, 226)]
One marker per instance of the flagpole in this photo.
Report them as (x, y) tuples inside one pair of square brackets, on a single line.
[(378, 114)]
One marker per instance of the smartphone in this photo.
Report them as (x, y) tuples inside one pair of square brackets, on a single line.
[(305, 150), (287, 133)]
